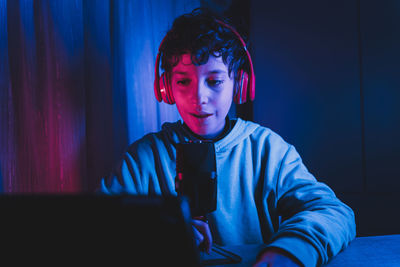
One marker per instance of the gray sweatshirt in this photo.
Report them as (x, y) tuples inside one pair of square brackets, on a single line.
[(265, 194)]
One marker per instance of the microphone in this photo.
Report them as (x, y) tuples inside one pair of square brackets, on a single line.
[(196, 176)]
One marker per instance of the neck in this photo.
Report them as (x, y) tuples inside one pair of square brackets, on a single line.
[(227, 128)]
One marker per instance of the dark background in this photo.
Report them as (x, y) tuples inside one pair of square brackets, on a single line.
[(328, 81)]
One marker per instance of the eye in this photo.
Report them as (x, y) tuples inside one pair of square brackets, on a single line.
[(214, 82), (183, 82)]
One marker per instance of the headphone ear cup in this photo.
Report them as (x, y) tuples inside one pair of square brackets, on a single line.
[(245, 83), (163, 92), (157, 90), (165, 89), (242, 81), (168, 89)]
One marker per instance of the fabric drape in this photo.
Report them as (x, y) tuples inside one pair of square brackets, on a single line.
[(76, 87)]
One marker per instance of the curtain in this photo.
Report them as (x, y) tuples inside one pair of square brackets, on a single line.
[(76, 87)]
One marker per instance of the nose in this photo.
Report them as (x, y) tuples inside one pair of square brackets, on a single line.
[(200, 94)]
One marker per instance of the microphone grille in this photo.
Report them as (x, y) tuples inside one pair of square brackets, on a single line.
[(195, 157)]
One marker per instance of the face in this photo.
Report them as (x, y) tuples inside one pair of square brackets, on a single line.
[(203, 94)]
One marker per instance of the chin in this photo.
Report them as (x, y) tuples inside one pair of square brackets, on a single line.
[(202, 132)]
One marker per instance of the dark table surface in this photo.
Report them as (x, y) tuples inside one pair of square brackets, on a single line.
[(362, 251)]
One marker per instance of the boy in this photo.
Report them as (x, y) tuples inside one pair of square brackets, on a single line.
[(265, 193)]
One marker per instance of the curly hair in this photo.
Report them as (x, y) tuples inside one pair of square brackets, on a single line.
[(199, 34)]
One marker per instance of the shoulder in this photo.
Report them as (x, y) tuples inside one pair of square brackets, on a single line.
[(253, 137), (262, 134), (169, 134)]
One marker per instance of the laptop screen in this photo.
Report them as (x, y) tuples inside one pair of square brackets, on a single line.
[(97, 229)]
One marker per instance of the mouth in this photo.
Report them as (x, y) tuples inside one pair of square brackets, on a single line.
[(201, 115)]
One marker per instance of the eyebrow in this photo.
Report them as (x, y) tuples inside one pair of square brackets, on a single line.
[(217, 71), (180, 72), (210, 72)]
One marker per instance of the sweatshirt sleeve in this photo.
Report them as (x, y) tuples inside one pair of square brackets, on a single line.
[(147, 168), (124, 179), (315, 225)]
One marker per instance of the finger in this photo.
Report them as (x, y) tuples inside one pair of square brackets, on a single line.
[(204, 229), (199, 238)]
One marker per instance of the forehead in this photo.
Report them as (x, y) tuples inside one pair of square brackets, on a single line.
[(213, 64)]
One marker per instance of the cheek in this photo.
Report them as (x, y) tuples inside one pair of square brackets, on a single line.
[(225, 105), (226, 99), (178, 96), (179, 105)]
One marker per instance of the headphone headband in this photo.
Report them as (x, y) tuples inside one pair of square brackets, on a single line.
[(251, 78), (158, 91)]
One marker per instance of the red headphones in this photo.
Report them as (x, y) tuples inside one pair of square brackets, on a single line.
[(162, 85)]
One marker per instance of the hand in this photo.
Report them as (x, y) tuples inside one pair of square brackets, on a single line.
[(202, 234), (276, 257)]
